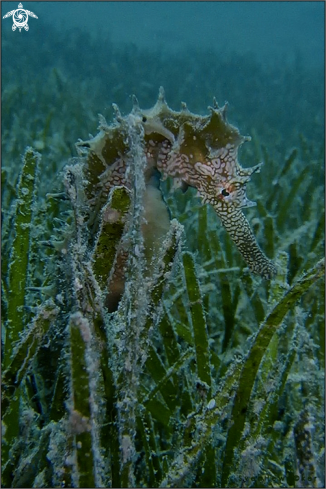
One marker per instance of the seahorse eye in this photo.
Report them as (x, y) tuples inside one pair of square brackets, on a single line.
[(144, 119), (225, 192)]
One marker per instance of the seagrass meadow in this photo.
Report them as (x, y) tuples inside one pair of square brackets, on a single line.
[(151, 356)]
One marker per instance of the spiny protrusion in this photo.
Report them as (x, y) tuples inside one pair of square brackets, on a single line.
[(224, 110), (244, 139), (247, 172), (135, 103), (102, 124), (212, 109), (184, 107), (215, 104), (117, 112), (248, 203), (161, 95)]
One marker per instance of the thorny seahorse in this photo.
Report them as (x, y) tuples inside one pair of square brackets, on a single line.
[(197, 151)]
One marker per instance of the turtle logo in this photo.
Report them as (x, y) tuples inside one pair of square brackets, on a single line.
[(20, 17)]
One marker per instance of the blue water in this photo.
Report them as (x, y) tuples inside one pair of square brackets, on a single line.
[(269, 30)]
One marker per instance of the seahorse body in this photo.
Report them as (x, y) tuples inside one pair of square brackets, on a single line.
[(197, 151)]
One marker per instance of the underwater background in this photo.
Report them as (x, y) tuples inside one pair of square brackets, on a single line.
[(216, 378)]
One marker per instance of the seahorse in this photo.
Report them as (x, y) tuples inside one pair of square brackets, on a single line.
[(196, 151)]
